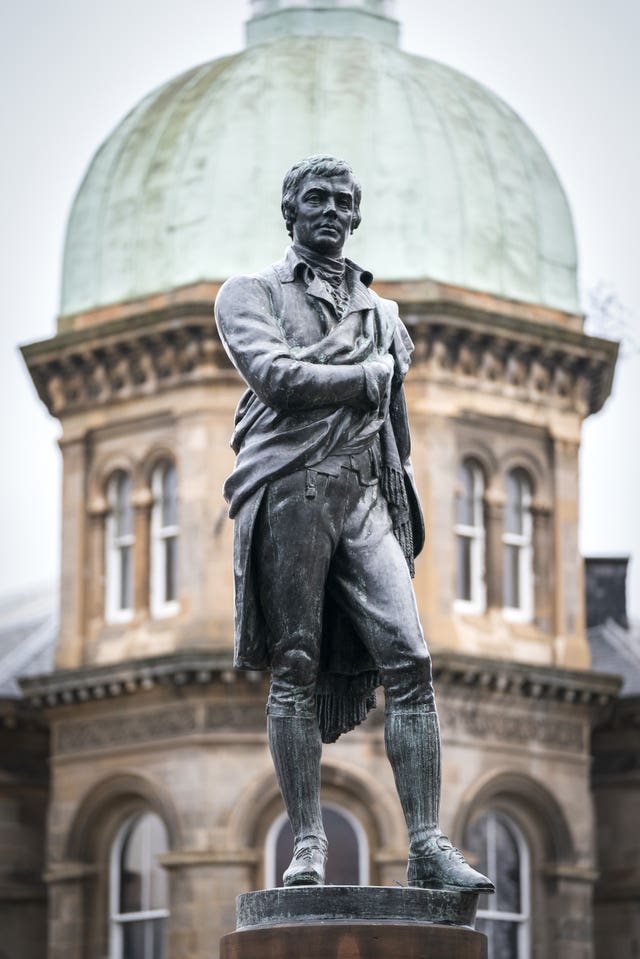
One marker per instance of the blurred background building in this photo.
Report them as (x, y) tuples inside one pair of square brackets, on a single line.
[(137, 795)]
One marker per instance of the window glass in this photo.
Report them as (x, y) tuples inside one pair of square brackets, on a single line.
[(517, 538), (125, 591), (470, 537), (132, 868), (169, 496), (511, 576), (465, 497), (119, 543), (508, 858), (139, 893), (500, 851), (158, 890), (144, 940), (503, 938), (164, 541), (123, 511), (170, 561), (344, 862), (463, 567)]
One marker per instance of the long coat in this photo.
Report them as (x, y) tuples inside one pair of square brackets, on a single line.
[(309, 395)]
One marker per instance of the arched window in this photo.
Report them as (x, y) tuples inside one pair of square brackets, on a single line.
[(517, 541), (502, 853), (348, 862), (139, 890), (119, 541), (470, 539), (164, 541)]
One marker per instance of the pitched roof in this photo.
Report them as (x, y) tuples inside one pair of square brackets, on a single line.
[(617, 650), (28, 637)]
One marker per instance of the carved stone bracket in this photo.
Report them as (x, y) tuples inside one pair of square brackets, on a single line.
[(176, 345), (535, 362), (492, 677), (117, 361)]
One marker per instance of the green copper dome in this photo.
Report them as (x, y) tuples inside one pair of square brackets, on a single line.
[(456, 188)]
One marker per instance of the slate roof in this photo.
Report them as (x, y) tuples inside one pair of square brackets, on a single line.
[(617, 650), (28, 637)]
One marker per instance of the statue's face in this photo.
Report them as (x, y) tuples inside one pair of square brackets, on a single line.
[(324, 214)]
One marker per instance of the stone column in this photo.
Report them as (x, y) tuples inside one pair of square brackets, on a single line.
[(142, 502), (203, 889), (494, 518), (68, 912)]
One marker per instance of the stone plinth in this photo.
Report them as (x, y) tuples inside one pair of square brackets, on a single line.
[(354, 922)]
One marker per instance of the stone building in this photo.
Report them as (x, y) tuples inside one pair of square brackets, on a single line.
[(615, 648), (162, 799)]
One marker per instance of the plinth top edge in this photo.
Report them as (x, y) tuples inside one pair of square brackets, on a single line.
[(304, 904)]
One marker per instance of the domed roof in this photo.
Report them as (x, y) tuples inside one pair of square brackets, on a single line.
[(456, 188)]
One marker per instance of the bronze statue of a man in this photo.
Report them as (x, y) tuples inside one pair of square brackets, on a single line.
[(327, 521)]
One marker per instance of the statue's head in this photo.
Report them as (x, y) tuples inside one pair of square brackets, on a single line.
[(313, 168)]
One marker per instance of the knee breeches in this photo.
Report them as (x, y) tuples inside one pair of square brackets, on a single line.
[(336, 544)]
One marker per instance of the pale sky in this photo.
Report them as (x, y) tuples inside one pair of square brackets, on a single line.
[(72, 69)]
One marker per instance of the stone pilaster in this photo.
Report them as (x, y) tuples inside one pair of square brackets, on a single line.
[(571, 644), (73, 558)]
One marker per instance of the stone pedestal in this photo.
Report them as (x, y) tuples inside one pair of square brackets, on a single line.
[(354, 922)]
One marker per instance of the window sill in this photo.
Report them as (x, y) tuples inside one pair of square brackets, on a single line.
[(469, 608), (118, 617), (166, 610), (512, 615)]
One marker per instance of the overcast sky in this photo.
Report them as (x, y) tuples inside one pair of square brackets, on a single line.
[(72, 69)]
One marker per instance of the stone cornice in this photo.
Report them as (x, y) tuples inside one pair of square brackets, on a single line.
[(203, 292), (176, 344), (550, 683), (408, 293), (418, 293), (529, 360), (125, 358), (199, 668), (493, 678)]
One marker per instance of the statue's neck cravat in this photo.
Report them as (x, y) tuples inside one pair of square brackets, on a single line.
[(332, 271)]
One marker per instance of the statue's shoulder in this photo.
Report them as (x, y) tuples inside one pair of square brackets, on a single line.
[(247, 286), (388, 308), (388, 315)]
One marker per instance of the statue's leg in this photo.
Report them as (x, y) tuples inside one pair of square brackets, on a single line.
[(412, 741), (293, 547), (372, 576), (296, 750)]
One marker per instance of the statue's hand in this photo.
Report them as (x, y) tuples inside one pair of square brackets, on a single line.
[(379, 373)]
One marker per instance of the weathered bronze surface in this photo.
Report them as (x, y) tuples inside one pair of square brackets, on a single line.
[(328, 523), (276, 907)]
